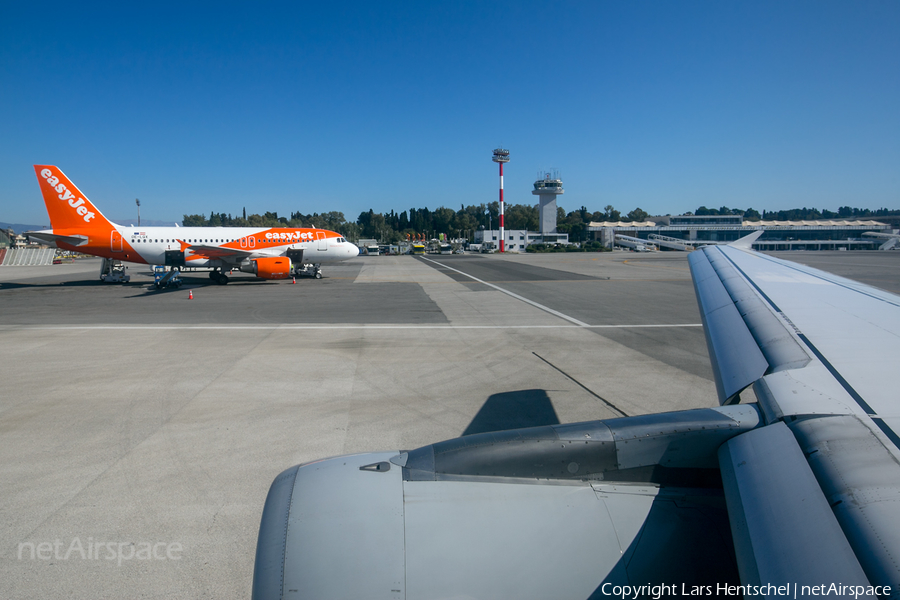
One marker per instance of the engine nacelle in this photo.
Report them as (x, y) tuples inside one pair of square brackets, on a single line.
[(557, 511), (272, 267)]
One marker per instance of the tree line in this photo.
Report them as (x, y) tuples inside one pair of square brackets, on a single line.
[(393, 227), (800, 214)]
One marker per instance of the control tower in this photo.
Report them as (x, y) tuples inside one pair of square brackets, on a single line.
[(548, 189)]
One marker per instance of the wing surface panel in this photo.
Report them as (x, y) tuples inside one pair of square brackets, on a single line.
[(854, 330), (808, 391)]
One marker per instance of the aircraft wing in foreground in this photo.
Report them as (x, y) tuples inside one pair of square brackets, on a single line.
[(801, 489)]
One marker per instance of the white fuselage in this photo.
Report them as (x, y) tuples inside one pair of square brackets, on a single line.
[(319, 246)]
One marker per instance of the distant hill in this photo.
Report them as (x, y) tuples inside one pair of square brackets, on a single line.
[(145, 223), (20, 227)]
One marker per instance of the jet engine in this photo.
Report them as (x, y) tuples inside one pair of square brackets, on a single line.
[(273, 267), (560, 511)]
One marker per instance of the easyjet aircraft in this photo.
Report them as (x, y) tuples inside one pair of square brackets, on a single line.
[(270, 253)]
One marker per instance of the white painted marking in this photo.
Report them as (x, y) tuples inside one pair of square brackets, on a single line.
[(516, 296), (328, 327)]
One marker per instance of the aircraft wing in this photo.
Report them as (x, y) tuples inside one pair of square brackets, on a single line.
[(819, 351), (802, 489), (218, 252)]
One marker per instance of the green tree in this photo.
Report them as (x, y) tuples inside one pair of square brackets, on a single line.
[(443, 219), (465, 222), (194, 221), (521, 216), (637, 214)]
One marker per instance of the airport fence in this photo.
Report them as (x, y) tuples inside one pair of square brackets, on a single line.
[(27, 257)]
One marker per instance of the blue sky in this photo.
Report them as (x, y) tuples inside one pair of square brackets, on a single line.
[(348, 106)]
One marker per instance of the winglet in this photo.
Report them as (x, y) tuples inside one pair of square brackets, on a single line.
[(746, 242)]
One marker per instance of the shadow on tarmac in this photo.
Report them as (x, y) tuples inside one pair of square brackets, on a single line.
[(144, 287), (514, 410), (9, 285), (194, 283)]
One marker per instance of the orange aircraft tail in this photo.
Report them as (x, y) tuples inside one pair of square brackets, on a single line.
[(67, 206)]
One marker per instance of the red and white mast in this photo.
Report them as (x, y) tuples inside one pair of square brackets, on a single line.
[(501, 156)]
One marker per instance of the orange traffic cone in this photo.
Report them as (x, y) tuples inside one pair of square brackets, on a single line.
[(191, 295), (293, 280)]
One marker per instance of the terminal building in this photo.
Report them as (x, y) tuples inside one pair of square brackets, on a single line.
[(686, 232), (518, 239)]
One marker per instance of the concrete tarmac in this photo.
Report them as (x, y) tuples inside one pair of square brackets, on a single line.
[(141, 430)]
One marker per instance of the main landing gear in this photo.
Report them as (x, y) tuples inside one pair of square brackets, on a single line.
[(218, 276), (113, 271), (309, 270)]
